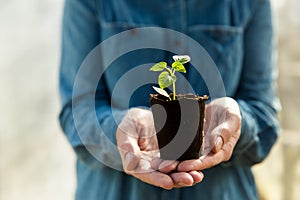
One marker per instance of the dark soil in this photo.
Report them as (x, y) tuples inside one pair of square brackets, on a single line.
[(179, 125)]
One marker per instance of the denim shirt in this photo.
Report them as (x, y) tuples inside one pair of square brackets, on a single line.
[(239, 37)]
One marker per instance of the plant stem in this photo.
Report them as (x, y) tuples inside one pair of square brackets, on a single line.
[(174, 91), (172, 73), (169, 70)]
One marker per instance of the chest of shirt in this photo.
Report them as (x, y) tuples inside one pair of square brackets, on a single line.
[(217, 25)]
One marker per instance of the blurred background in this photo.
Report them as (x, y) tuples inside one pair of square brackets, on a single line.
[(36, 161)]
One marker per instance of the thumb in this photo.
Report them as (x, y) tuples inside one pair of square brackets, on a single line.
[(129, 150), (222, 134), (130, 162), (218, 144)]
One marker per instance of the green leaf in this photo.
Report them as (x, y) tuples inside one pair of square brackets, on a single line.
[(161, 91), (158, 66), (178, 66), (165, 80), (182, 58)]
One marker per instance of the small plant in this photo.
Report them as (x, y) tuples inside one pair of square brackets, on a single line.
[(185, 110), (167, 76)]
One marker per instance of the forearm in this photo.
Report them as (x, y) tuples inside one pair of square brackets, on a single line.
[(257, 93), (93, 136), (260, 129)]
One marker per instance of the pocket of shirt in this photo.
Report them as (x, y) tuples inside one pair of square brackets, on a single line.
[(225, 46)]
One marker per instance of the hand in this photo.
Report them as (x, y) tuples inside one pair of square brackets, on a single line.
[(222, 130), (137, 144)]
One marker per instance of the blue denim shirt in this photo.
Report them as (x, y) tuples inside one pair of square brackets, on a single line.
[(238, 35)]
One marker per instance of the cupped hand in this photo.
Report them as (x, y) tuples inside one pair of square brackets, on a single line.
[(138, 147), (222, 131)]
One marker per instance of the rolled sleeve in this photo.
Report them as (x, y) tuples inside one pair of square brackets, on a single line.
[(80, 35), (257, 93)]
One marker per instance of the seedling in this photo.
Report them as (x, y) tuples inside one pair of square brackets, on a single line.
[(167, 77)]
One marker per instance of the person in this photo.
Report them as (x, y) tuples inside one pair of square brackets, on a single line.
[(239, 37)]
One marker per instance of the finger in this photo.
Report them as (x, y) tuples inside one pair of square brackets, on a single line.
[(223, 130), (207, 118), (129, 150), (157, 179), (197, 176), (147, 134), (210, 160), (148, 143), (130, 162), (224, 154), (200, 164), (164, 166), (203, 163), (182, 179), (210, 121), (218, 145), (222, 135), (155, 163), (189, 165), (167, 166)]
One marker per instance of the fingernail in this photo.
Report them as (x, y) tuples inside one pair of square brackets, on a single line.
[(155, 163), (180, 184), (168, 163), (128, 161), (202, 175), (219, 144), (200, 179), (202, 157)]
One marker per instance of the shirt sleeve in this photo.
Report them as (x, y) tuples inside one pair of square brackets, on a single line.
[(257, 93), (80, 35)]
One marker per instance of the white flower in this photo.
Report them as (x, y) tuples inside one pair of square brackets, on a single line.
[(182, 58)]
